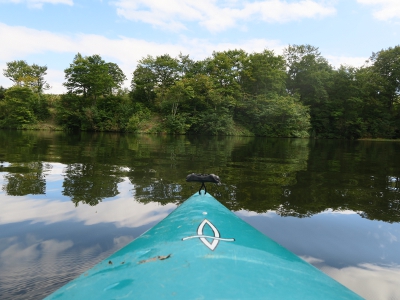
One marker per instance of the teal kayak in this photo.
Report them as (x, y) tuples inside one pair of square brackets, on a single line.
[(203, 251)]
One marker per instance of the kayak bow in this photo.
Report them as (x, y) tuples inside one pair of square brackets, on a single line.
[(203, 251)]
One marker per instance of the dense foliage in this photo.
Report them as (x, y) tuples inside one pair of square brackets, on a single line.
[(297, 94)]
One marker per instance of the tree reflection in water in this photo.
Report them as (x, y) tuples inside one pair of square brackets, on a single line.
[(293, 177)]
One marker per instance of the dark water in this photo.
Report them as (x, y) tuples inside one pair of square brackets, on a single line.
[(68, 201)]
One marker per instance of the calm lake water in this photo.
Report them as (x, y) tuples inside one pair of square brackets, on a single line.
[(69, 200)]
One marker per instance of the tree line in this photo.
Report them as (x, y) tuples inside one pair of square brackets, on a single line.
[(296, 94)]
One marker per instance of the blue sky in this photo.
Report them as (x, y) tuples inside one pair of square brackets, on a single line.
[(51, 32)]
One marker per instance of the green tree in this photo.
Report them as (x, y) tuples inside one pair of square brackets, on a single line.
[(189, 68), (31, 76), (386, 63), (308, 73), (17, 71), (386, 67), (177, 95), (92, 77), (70, 111), (16, 109), (309, 76), (2, 92), (218, 121), (276, 116), (205, 95), (143, 86), (264, 73), (38, 83), (118, 78), (153, 76), (376, 115), (227, 69), (110, 113), (174, 97), (341, 115)]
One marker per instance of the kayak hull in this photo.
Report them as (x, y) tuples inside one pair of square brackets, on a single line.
[(203, 251)]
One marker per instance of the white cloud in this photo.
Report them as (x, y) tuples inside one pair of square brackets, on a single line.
[(337, 61), (56, 78), (282, 11), (385, 9), (218, 15), (19, 42), (39, 3)]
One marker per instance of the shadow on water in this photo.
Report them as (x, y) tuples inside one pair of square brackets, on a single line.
[(294, 177)]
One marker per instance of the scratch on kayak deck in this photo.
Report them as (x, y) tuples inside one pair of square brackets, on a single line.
[(160, 257)]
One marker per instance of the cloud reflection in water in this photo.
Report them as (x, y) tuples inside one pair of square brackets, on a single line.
[(368, 280), (35, 259), (45, 241), (122, 210), (365, 259)]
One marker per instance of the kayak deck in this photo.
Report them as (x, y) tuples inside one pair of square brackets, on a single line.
[(203, 251)]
